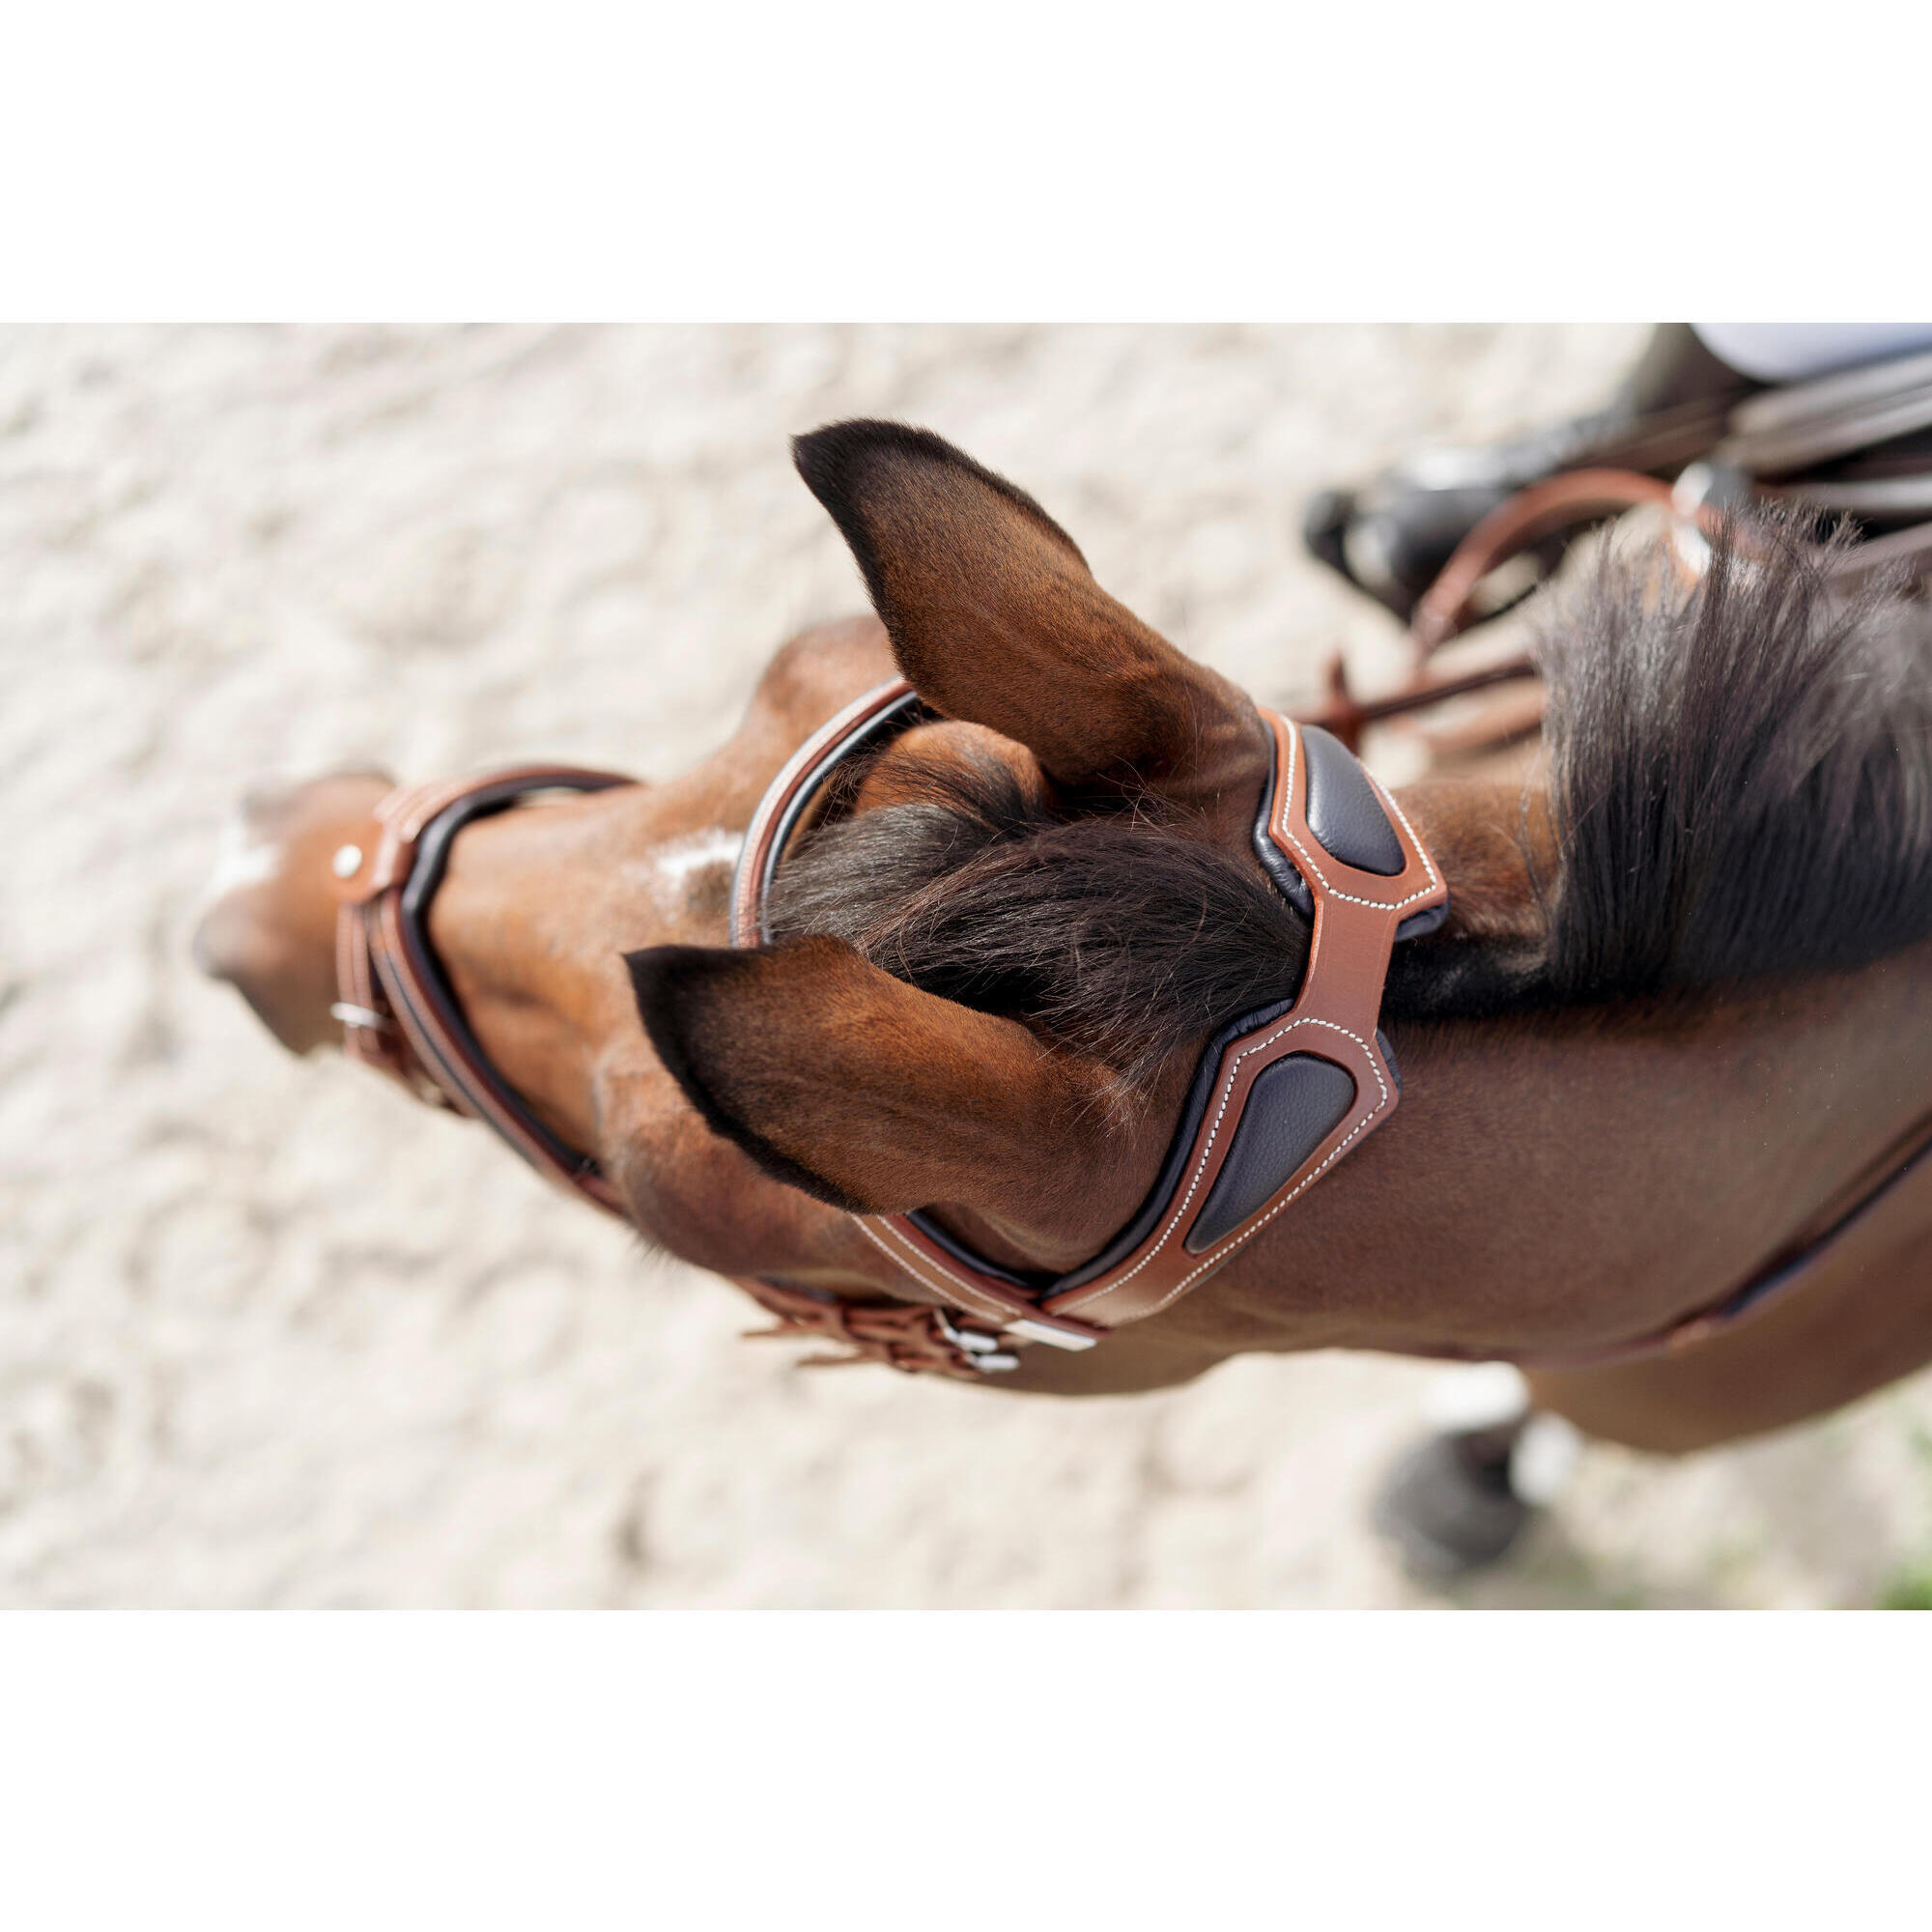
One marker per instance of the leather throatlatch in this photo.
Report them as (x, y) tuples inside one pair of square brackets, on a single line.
[(1281, 1096)]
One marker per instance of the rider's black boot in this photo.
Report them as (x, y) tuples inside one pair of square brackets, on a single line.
[(1392, 537), (1447, 1504)]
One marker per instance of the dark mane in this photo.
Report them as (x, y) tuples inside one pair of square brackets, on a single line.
[(1741, 775), (1742, 771)]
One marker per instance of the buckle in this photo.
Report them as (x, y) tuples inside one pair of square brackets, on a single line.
[(1053, 1337), (365, 1017), (982, 1351)]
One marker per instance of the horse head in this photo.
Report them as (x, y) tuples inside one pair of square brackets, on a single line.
[(990, 970)]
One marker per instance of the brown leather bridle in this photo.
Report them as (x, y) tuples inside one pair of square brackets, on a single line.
[(1281, 1095)]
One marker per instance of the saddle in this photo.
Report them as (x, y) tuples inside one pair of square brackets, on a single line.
[(1431, 539)]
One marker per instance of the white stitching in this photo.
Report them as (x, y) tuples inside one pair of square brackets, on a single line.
[(1308, 1180), (948, 1285), (943, 1286), (1422, 851), (1207, 1148)]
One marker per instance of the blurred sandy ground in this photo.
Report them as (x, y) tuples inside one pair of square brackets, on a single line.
[(269, 1335)]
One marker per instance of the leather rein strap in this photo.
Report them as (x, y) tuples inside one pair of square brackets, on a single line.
[(1281, 1096)]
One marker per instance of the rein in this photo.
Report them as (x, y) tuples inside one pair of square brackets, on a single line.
[(1280, 1095)]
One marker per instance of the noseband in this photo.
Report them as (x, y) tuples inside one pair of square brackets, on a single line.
[(397, 1010), (1281, 1094)]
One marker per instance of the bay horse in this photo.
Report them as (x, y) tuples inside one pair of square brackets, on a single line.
[(1666, 1063)]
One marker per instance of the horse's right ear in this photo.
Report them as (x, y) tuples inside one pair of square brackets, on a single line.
[(868, 1093), (995, 617)]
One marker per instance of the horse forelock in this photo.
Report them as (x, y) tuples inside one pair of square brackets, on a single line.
[(1121, 932)]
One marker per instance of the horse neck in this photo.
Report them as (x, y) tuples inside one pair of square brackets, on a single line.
[(1583, 1178)]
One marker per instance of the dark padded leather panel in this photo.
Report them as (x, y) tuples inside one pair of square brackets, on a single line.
[(1288, 882), (1388, 1056), (1292, 1106), (1344, 811), (1280, 868), (1160, 1197)]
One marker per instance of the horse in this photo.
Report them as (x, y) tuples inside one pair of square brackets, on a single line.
[(1664, 1058)]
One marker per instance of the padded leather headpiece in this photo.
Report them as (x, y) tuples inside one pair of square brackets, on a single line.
[(1281, 1095)]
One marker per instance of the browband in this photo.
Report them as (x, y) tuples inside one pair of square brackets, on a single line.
[(1281, 1095)]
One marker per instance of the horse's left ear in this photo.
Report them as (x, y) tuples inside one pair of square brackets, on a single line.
[(996, 618), (870, 1095)]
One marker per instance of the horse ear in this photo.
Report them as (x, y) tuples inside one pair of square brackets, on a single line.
[(995, 617), (867, 1093)]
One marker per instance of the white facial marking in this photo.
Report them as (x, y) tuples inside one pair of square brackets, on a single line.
[(669, 872), (1541, 1459), (677, 861), (240, 860)]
